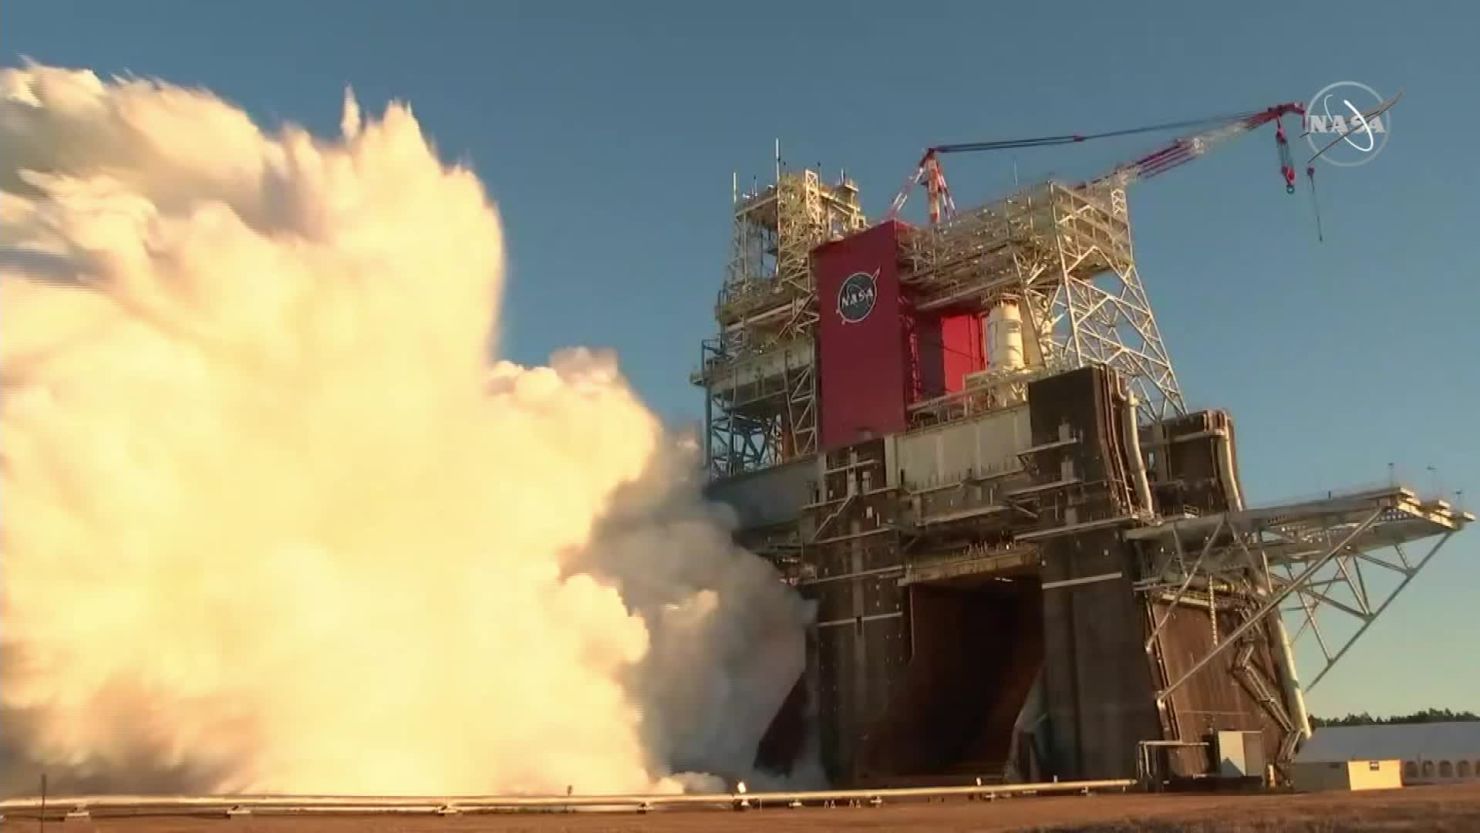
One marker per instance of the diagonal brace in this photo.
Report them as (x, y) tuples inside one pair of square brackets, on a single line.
[(1271, 603), (1380, 608)]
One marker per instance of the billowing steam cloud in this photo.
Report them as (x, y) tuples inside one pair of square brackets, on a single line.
[(272, 519)]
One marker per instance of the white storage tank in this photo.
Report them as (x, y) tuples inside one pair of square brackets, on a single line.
[(1004, 335)]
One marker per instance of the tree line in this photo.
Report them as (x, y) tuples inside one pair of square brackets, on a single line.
[(1424, 716)]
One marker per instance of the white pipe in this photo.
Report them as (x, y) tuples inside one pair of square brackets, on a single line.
[(1132, 433), (1285, 656), (382, 804), (1284, 652), (1226, 469)]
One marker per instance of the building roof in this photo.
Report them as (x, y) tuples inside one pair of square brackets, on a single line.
[(1405, 741)]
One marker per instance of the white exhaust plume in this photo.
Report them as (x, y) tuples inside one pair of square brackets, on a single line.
[(273, 521)]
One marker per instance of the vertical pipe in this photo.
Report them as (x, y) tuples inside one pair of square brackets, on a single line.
[(1284, 652), (1132, 431), (1285, 656), (1226, 469)]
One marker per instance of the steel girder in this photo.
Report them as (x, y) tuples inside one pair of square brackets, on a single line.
[(1303, 559), (766, 307), (1066, 252)]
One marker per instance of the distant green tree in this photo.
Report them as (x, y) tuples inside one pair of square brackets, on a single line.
[(1424, 716)]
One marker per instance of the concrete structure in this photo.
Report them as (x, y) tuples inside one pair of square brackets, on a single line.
[(1309, 776), (966, 443), (1431, 753)]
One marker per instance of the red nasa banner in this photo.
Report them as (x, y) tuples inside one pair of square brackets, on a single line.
[(863, 362)]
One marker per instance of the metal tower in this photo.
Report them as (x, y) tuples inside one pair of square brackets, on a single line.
[(759, 371), (1064, 252)]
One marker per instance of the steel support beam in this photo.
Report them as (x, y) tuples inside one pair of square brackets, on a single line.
[(1269, 604), (1378, 612)]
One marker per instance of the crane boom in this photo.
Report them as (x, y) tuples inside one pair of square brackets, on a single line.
[(1179, 152), (1188, 148)]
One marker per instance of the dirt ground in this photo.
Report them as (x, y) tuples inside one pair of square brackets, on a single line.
[(1446, 809)]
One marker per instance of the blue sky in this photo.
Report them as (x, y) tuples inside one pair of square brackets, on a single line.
[(608, 134)]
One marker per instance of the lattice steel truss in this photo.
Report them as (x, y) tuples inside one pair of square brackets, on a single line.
[(759, 372), (1065, 252), (1297, 561)]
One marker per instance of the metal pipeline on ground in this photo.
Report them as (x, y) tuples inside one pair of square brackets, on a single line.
[(351, 805)]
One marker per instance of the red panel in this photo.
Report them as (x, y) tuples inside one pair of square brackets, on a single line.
[(928, 368), (961, 349), (863, 372), (944, 349)]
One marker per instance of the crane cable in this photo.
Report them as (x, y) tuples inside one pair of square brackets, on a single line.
[(1287, 170), (1287, 164), (1073, 138), (1315, 202), (928, 171), (1310, 168)]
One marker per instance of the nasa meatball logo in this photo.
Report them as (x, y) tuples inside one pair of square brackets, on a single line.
[(856, 297), (1339, 131)]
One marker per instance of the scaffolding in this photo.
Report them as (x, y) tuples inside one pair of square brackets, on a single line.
[(759, 372), (1064, 252), (1305, 561)]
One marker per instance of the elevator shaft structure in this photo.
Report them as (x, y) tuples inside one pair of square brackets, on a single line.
[(758, 372)]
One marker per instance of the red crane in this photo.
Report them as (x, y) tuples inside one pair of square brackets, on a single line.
[(1217, 129)]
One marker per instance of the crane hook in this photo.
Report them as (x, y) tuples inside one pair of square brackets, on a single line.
[(1287, 165)]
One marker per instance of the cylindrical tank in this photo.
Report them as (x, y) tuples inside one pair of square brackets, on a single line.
[(1004, 335)]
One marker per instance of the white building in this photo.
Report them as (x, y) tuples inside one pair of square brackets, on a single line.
[(1432, 753)]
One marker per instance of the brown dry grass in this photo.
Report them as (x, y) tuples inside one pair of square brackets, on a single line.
[(1451, 809)]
